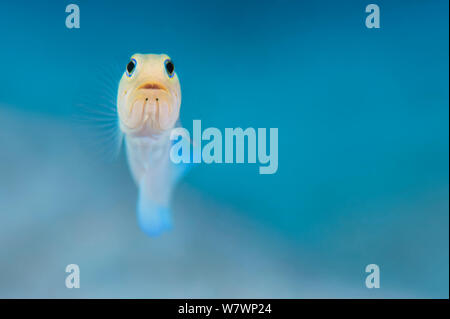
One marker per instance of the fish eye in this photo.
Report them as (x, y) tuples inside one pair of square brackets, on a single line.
[(131, 66), (170, 68)]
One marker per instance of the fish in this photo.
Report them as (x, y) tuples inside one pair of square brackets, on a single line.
[(148, 108)]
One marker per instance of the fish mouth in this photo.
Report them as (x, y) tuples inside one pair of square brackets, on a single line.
[(152, 86), (148, 108)]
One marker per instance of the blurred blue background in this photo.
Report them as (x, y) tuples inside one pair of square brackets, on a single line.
[(363, 151)]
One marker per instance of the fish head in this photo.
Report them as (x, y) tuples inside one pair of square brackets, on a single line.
[(149, 95)]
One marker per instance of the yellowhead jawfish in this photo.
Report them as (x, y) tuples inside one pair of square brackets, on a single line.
[(148, 107)]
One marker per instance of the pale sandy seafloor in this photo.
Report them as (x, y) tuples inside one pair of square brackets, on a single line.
[(60, 205)]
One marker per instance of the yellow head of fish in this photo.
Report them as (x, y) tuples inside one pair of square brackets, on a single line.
[(149, 96)]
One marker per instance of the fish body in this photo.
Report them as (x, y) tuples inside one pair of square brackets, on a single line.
[(148, 106)]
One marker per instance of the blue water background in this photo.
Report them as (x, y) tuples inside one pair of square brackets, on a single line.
[(362, 116)]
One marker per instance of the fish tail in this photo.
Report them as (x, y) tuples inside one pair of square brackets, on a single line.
[(153, 218)]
